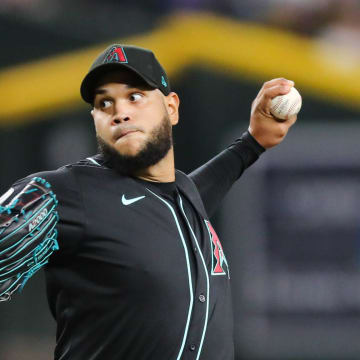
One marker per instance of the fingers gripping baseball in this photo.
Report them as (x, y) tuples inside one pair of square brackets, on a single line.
[(267, 129)]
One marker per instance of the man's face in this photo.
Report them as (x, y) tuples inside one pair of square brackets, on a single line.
[(128, 113)]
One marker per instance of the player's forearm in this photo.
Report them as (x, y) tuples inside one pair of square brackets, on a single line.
[(215, 178), (247, 150)]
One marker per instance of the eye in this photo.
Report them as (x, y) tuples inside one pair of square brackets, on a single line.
[(135, 97), (104, 104)]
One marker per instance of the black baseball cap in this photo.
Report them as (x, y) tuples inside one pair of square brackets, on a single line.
[(139, 60)]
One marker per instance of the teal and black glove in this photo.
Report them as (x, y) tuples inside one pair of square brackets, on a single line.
[(27, 235)]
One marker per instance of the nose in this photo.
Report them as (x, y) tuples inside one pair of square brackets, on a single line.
[(116, 119), (121, 114)]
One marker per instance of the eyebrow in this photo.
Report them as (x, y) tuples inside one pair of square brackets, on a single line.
[(100, 91)]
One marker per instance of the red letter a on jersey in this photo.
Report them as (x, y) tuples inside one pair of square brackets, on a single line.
[(219, 262)]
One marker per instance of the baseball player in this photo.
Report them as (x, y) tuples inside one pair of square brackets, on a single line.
[(134, 268)]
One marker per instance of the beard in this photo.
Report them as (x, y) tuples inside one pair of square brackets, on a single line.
[(154, 150)]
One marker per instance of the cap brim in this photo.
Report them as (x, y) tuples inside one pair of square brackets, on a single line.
[(91, 80)]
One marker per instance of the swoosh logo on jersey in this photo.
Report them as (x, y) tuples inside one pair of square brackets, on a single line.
[(130, 201)]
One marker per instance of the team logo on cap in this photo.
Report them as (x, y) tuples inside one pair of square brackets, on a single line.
[(219, 264), (116, 54), (163, 81)]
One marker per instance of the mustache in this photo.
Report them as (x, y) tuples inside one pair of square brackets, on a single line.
[(122, 130)]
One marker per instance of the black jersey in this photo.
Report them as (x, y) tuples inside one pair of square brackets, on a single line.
[(141, 273)]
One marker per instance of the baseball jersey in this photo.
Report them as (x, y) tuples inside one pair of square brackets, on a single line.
[(140, 272)]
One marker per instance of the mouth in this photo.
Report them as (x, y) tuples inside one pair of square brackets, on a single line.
[(125, 133)]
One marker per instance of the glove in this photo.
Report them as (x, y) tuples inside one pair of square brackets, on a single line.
[(27, 235)]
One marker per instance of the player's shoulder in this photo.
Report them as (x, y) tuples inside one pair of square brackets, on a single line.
[(91, 162), (65, 176)]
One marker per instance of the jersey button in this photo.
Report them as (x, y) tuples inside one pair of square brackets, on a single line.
[(202, 298), (192, 347)]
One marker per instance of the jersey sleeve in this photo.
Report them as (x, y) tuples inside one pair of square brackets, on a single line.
[(70, 208), (215, 178)]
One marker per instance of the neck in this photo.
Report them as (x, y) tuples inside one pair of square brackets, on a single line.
[(163, 171)]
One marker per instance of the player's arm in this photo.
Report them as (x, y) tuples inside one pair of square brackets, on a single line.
[(215, 178), (28, 233)]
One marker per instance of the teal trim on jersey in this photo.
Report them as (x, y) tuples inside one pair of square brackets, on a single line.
[(93, 161), (188, 270), (207, 281)]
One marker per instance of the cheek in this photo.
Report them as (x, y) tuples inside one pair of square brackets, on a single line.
[(154, 118), (101, 127), (98, 127)]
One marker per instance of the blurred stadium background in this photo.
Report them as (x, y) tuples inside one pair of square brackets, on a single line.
[(290, 226)]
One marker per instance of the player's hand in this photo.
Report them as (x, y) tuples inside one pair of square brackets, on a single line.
[(264, 127)]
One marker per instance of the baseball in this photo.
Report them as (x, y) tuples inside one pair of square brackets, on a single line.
[(284, 106)]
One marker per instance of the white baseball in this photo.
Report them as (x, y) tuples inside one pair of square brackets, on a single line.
[(283, 106)]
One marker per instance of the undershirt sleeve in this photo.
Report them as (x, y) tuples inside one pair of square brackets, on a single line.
[(215, 178)]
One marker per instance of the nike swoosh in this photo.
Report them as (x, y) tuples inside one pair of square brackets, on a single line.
[(130, 201)]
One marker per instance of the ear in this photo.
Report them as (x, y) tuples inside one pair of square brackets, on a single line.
[(172, 103)]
